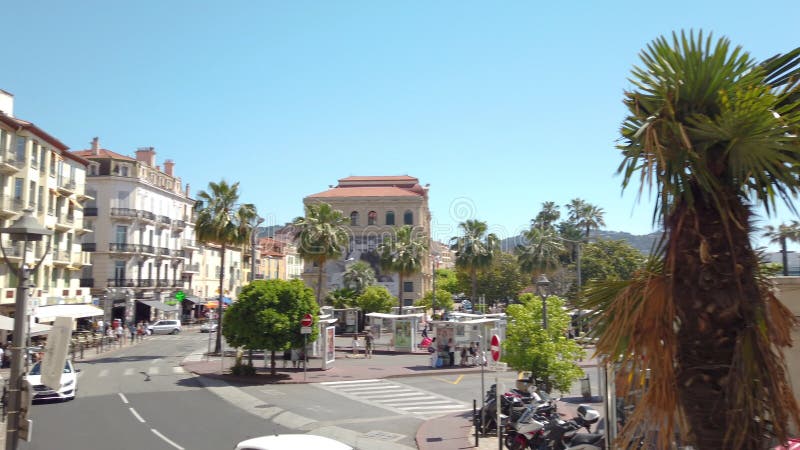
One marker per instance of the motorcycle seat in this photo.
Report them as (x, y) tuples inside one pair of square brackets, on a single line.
[(586, 438)]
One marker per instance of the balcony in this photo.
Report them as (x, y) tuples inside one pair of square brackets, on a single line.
[(162, 252), (10, 206), (61, 257), (162, 283), (164, 221), (178, 253), (65, 221), (192, 268), (149, 249), (144, 283), (9, 163), (67, 186), (90, 211), (187, 243), (89, 247), (81, 259), (12, 250), (178, 283), (122, 247), (179, 224), (124, 213), (87, 282), (121, 282), (147, 215)]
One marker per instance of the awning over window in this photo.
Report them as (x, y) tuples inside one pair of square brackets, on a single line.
[(49, 313), (159, 305), (7, 323)]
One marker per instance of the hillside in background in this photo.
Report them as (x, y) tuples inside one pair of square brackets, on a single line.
[(643, 243)]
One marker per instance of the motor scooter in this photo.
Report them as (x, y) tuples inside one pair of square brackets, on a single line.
[(563, 434)]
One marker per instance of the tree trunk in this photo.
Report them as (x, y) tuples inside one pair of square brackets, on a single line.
[(250, 356), (784, 256), (473, 273), (272, 363), (717, 301), (321, 265), (218, 345), (400, 291)]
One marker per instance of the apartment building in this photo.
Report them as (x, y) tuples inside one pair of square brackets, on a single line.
[(39, 174), (143, 245), (375, 206), (206, 284)]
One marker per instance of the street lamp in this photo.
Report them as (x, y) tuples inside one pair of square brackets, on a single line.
[(259, 221), (542, 285), (25, 229), (435, 263)]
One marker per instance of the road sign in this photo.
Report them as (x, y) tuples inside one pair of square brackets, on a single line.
[(179, 296), (308, 319), (495, 347), (305, 330)]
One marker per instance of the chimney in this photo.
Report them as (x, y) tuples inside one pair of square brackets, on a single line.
[(96, 146), (169, 166), (7, 103), (146, 155), (187, 189)]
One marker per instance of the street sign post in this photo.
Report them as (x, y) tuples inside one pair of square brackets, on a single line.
[(305, 329), (495, 347), (307, 320)]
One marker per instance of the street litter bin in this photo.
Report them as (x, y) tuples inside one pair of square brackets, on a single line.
[(586, 388)]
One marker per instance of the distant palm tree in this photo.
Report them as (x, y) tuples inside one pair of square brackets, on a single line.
[(717, 134), (780, 235), (321, 235), (540, 252), (547, 217), (405, 254), (586, 216), (219, 221), (358, 277), (474, 250)]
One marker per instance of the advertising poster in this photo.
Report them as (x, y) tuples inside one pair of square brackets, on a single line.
[(330, 349), (402, 335)]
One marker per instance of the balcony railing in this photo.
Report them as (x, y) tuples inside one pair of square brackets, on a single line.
[(12, 250), (192, 267), (9, 160), (148, 215), (162, 251), (87, 282), (178, 253), (147, 249), (164, 220), (60, 255), (89, 247), (9, 203), (145, 282), (162, 283), (177, 283), (177, 223), (121, 282), (90, 211), (124, 212), (189, 243), (122, 247)]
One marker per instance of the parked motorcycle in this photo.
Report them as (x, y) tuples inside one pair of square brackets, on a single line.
[(563, 434), (528, 431)]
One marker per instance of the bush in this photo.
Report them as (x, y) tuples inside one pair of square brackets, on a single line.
[(243, 370)]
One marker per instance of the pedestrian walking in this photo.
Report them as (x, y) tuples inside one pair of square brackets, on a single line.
[(433, 353), (451, 353), (120, 335), (368, 344), (355, 344), (287, 356), (464, 356), (295, 356), (132, 330)]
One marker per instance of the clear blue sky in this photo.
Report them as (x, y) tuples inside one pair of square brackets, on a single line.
[(500, 106)]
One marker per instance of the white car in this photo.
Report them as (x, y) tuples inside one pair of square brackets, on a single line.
[(209, 327), (292, 442), (165, 327), (67, 390)]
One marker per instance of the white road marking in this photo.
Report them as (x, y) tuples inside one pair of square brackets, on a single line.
[(128, 371), (153, 370), (178, 369), (166, 439), (136, 414), (333, 383), (124, 399)]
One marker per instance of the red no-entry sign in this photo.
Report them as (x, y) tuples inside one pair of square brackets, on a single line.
[(307, 320), (495, 348)]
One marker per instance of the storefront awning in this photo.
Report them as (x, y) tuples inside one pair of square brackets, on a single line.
[(7, 323), (49, 313), (193, 299), (159, 305)]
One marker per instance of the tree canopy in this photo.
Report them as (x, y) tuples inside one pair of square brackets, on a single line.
[(375, 299)]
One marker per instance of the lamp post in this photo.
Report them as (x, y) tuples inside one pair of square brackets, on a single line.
[(435, 263), (259, 221), (25, 229), (542, 285)]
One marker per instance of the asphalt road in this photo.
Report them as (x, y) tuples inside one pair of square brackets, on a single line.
[(140, 398)]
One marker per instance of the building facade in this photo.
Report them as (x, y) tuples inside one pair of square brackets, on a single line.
[(39, 174), (375, 206), (206, 284), (143, 245)]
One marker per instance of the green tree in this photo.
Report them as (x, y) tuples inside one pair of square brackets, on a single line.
[(444, 300), (502, 280), (359, 276), (585, 216), (404, 253), (474, 250), (447, 280), (321, 235), (375, 299), (781, 234), (341, 298), (611, 260), (218, 222), (548, 354), (547, 217), (716, 132), (267, 316), (540, 252)]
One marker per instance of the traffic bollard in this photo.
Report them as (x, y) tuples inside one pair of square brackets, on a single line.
[(476, 420)]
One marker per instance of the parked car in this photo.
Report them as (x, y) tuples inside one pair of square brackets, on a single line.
[(292, 442), (209, 327), (165, 327), (67, 389)]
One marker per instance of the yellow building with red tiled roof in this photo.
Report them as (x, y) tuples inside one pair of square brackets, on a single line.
[(375, 205)]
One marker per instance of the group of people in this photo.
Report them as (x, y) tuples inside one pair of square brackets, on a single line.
[(296, 356), (470, 355), (135, 331)]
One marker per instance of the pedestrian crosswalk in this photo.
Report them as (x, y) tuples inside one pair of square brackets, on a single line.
[(396, 397)]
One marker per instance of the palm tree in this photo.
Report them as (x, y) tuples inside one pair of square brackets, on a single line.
[(321, 235), (548, 216), (586, 216), (780, 235), (541, 251), (219, 222), (404, 253), (358, 277), (717, 133), (474, 250)]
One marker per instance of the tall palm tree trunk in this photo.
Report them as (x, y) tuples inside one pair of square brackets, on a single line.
[(473, 274), (218, 345), (321, 265), (784, 257), (717, 318)]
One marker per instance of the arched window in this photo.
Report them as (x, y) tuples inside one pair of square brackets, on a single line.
[(408, 218), (389, 217), (354, 218), (372, 218)]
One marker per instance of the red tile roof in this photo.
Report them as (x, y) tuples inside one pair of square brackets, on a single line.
[(33, 129), (365, 191), (390, 178), (103, 153)]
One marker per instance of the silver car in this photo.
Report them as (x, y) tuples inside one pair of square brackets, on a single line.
[(165, 327), (209, 327)]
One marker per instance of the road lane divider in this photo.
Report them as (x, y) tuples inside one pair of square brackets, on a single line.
[(124, 399), (136, 414), (166, 439)]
